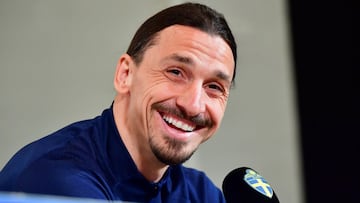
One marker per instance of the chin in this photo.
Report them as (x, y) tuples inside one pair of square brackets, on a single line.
[(172, 152)]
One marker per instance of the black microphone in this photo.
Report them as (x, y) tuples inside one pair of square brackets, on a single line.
[(245, 185)]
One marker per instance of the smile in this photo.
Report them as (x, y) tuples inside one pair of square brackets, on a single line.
[(179, 124)]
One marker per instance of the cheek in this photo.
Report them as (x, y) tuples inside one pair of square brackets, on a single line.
[(149, 94), (160, 90), (153, 94), (217, 110), (216, 113)]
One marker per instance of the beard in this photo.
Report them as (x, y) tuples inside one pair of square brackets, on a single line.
[(172, 152), (168, 150)]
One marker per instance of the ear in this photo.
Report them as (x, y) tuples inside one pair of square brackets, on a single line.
[(123, 74)]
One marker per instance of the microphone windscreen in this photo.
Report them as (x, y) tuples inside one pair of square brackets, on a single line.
[(245, 185)]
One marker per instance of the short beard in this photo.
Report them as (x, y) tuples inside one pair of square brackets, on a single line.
[(171, 153)]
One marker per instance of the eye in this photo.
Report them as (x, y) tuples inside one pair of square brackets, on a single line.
[(174, 71), (215, 89)]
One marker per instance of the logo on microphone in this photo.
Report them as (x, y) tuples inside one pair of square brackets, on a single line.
[(258, 183)]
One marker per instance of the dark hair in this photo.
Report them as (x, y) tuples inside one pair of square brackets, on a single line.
[(188, 14)]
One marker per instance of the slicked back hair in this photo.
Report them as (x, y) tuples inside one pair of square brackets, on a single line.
[(194, 15)]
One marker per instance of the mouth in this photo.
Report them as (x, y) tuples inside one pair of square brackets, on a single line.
[(179, 124)]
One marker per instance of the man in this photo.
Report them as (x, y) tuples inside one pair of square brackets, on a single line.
[(172, 88)]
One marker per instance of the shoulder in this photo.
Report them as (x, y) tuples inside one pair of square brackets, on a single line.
[(57, 162), (200, 186), (57, 146), (59, 177), (196, 178)]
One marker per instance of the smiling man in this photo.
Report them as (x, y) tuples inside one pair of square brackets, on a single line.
[(172, 88)]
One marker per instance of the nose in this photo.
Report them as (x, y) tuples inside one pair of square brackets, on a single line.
[(192, 100)]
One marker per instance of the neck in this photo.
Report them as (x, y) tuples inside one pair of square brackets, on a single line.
[(137, 144)]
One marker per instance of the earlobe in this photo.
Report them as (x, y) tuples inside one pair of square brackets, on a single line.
[(123, 74)]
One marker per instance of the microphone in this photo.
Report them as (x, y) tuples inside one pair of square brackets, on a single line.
[(245, 185)]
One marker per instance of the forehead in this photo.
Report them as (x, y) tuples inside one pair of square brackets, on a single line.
[(202, 48)]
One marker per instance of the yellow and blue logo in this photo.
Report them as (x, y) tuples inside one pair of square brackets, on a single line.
[(258, 183)]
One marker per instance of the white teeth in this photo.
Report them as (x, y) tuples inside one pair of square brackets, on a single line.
[(178, 124)]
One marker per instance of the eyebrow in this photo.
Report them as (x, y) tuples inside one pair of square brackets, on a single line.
[(223, 76), (188, 61), (181, 59)]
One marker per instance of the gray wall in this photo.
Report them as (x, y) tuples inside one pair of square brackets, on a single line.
[(57, 60)]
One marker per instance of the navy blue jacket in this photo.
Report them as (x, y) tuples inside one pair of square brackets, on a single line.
[(88, 159)]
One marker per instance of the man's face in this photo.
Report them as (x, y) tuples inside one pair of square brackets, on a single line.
[(178, 93)]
